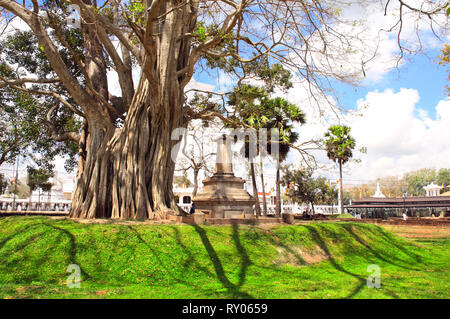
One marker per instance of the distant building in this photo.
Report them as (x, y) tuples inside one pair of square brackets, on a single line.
[(183, 196), (378, 193), (62, 189), (432, 190), (423, 206), (271, 197)]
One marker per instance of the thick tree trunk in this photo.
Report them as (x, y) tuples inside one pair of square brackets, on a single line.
[(128, 171)]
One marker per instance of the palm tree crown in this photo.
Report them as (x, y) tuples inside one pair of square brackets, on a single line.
[(339, 143)]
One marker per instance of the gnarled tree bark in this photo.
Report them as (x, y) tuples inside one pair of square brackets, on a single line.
[(128, 172)]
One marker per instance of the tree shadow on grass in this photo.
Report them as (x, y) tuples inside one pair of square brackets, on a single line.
[(28, 237), (276, 241), (72, 251), (233, 289), (362, 281), (191, 258), (245, 262), (348, 228), (5, 240), (245, 259), (388, 237), (321, 243), (37, 263)]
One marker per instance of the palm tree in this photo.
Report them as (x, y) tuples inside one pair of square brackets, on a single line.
[(246, 100), (284, 115), (257, 110), (339, 145), (253, 175)]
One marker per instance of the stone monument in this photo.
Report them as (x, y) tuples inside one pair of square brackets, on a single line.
[(223, 194), (378, 193)]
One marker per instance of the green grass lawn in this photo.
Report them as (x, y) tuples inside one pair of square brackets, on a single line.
[(345, 215), (316, 260)]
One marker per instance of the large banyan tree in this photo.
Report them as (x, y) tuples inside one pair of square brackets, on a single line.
[(154, 48)]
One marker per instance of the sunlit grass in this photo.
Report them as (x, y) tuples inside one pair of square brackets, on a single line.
[(317, 260), (345, 215)]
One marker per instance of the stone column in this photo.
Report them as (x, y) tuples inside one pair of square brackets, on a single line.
[(224, 157)]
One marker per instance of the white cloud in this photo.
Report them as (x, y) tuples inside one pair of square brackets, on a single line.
[(371, 31), (16, 24), (398, 135), (193, 84)]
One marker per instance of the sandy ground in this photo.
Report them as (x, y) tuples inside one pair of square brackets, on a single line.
[(420, 231)]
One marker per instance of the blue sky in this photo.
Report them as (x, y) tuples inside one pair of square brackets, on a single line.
[(419, 72), (399, 136), (407, 139)]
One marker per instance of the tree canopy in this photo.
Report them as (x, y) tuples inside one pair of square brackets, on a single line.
[(153, 49), (302, 187), (339, 144), (39, 178), (32, 126)]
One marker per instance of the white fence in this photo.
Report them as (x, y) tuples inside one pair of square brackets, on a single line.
[(8, 204), (293, 208), (296, 209)]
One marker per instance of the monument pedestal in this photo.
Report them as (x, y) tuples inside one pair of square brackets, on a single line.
[(223, 194), (195, 219)]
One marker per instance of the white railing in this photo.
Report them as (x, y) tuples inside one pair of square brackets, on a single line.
[(9, 204), (296, 209), (293, 208)]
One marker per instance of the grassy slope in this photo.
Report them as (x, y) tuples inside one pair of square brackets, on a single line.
[(345, 215), (143, 261)]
